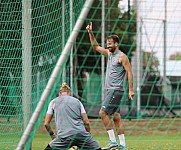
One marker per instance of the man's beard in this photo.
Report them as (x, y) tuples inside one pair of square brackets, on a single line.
[(111, 49)]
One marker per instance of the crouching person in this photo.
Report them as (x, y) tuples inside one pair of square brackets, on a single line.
[(72, 123)]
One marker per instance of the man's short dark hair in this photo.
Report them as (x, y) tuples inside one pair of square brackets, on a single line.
[(114, 37)]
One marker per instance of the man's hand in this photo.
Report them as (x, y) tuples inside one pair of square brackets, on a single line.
[(131, 95), (89, 27)]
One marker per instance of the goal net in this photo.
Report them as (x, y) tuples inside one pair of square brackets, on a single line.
[(34, 35)]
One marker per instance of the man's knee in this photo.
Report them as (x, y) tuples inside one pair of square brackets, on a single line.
[(102, 114), (116, 117)]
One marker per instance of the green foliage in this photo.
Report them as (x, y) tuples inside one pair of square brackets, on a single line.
[(124, 25)]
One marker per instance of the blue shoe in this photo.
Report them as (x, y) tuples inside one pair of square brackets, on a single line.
[(110, 145), (121, 147)]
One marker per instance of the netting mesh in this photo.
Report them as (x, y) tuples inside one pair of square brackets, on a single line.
[(140, 26)]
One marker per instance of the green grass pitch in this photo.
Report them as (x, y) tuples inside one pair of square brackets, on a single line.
[(144, 134), (133, 142), (141, 134)]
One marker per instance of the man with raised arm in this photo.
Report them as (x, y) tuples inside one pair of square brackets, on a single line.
[(118, 66)]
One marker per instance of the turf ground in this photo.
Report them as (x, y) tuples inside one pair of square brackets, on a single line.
[(142, 134)]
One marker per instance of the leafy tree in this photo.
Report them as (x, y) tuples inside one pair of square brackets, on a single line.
[(123, 24)]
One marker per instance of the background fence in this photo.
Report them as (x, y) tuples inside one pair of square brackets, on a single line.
[(33, 35)]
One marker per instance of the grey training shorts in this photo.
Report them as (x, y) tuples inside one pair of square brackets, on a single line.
[(83, 141), (112, 101)]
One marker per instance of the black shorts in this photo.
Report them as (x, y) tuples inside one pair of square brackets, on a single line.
[(112, 101)]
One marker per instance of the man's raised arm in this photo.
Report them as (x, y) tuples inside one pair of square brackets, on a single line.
[(94, 43)]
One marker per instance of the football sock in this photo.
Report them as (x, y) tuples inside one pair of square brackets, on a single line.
[(122, 140), (111, 135)]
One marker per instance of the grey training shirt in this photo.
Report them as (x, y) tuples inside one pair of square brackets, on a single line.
[(67, 111), (115, 72)]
